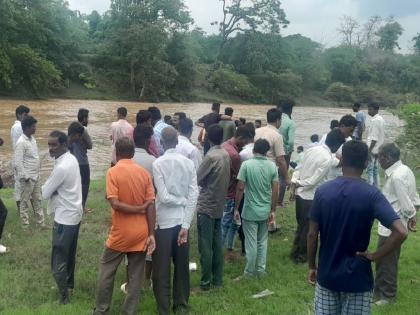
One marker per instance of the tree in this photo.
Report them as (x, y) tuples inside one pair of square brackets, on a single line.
[(370, 30), (416, 45), (388, 36), (349, 30), (259, 15)]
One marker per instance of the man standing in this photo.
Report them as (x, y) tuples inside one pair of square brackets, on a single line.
[(176, 185), (401, 192), (361, 119), (3, 214), (276, 152), (178, 116), (185, 147), (206, 121), (228, 125), (375, 138), (312, 173), (342, 216), (85, 144), (158, 125), (144, 117), (64, 193), (130, 192), (142, 137), (259, 176), (27, 166), (233, 146), (119, 129), (213, 177), (258, 123)]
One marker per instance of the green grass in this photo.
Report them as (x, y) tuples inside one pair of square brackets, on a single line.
[(27, 286)]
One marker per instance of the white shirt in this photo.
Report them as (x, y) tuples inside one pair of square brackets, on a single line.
[(144, 159), (175, 180), (336, 170), (190, 151), (401, 192), (247, 152), (313, 171), (26, 158), (376, 132), (15, 132), (119, 129), (63, 189)]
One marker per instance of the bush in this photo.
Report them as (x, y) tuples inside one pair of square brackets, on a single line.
[(339, 92), (410, 140)]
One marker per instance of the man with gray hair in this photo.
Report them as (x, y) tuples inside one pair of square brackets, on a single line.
[(400, 190), (175, 180)]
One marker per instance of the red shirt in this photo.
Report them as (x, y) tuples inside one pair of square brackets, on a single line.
[(235, 165)]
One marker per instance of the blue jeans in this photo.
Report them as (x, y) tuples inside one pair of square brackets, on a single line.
[(372, 172), (229, 228)]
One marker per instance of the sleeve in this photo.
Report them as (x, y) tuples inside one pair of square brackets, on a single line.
[(53, 182), (161, 190), (236, 164), (192, 201), (383, 210), (87, 140), (204, 170), (315, 210), (196, 158), (203, 119), (150, 189), (242, 172), (317, 176), (295, 176), (291, 136), (278, 146), (407, 208), (19, 152), (111, 186)]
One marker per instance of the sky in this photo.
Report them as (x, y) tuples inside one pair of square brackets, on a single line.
[(317, 19)]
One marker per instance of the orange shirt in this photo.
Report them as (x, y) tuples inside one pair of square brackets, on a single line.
[(131, 184)]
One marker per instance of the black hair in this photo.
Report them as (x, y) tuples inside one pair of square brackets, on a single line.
[(348, 121), (167, 119), (250, 126), (229, 111), (286, 106), (243, 120), (22, 109), (335, 139), (141, 134), (155, 113), (215, 134), (390, 150), (28, 122), (75, 128), (374, 105), (124, 148), (61, 136), (185, 126), (355, 154), (244, 133), (143, 116), (314, 138), (357, 105), (215, 106), (122, 111), (258, 121), (300, 148), (181, 115), (83, 113), (261, 146), (334, 124), (273, 115)]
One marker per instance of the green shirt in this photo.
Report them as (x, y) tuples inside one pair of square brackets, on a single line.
[(228, 129), (287, 130), (258, 173)]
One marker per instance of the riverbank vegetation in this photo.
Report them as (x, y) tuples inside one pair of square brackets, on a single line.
[(151, 50)]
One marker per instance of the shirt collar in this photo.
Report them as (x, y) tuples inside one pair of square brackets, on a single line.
[(392, 168), (61, 157), (272, 127), (26, 137), (140, 150), (169, 151), (125, 161), (184, 138), (215, 147)]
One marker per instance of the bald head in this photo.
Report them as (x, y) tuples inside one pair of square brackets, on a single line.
[(169, 138)]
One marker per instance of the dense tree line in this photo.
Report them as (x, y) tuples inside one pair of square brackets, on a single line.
[(150, 50)]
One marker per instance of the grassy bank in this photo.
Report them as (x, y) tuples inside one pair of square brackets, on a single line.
[(27, 287)]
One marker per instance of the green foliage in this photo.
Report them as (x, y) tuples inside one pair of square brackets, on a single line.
[(409, 141), (339, 92), (388, 36), (416, 45)]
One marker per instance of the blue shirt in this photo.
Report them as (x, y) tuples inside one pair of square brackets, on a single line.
[(157, 130), (345, 209)]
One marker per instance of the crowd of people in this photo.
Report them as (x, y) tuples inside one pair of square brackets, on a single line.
[(159, 179)]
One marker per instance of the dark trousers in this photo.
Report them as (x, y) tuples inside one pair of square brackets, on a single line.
[(282, 184), (241, 230), (211, 250), (3, 215), (298, 253), (63, 256), (166, 250), (387, 273), (85, 175), (110, 261)]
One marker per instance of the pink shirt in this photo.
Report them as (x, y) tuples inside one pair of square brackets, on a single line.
[(119, 129)]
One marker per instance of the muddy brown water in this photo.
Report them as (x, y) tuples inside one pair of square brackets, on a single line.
[(58, 114)]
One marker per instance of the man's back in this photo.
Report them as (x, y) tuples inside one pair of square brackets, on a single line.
[(274, 138), (144, 159), (235, 163), (228, 129), (376, 132), (189, 150), (344, 210)]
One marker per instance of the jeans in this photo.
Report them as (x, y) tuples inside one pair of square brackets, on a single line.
[(3, 215), (85, 177), (372, 172), (298, 253), (229, 227), (256, 236)]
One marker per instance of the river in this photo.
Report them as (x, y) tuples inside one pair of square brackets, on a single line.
[(58, 114)]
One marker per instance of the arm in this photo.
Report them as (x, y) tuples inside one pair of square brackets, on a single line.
[(312, 247), (408, 210), (87, 140), (274, 197), (196, 158), (281, 164), (151, 222), (19, 152), (204, 170), (53, 183), (318, 175), (291, 137), (123, 207), (163, 193), (240, 188), (191, 201)]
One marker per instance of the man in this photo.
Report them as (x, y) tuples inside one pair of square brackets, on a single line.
[(176, 185), (233, 146), (3, 214), (258, 123), (80, 153), (15, 132), (185, 147), (287, 130), (375, 138), (276, 152), (130, 192), (119, 129), (27, 166), (401, 192), (312, 173), (213, 177), (64, 194), (228, 125), (342, 215), (158, 125), (178, 116), (298, 159), (259, 176), (361, 119), (142, 137), (204, 122), (144, 117)]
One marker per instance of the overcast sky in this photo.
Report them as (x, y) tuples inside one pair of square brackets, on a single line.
[(317, 19)]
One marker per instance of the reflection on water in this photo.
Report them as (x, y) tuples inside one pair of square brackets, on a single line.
[(58, 114)]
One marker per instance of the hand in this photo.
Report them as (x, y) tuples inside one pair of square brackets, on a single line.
[(150, 244), (369, 256), (237, 215), (182, 237), (272, 217), (412, 224), (312, 276)]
